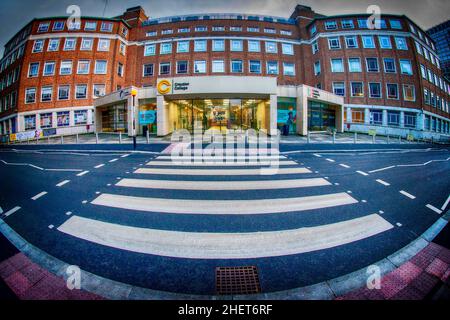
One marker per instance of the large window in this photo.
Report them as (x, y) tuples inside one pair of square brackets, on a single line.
[(164, 68), (69, 44), (339, 88), (255, 66), (393, 118), (351, 42), (63, 118), (357, 89), (148, 70), (165, 48), (100, 66), (409, 93), (80, 117), (271, 47), (30, 122), (392, 90), (317, 68), (405, 67), (236, 66), (53, 45), (254, 46), (46, 94), (288, 69), (106, 27), (49, 68), (357, 116), (334, 43), (372, 64), (401, 43), (385, 42), (46, 120), (99, 90), (63, 92), (218, 45), (272, 67), (38, 46), (200, 45), (81, 91), (330, 25), (66, 67), (33, 70), (237, 45), (368, 42), (354, 65), (182, 67), (410, 120), (30, 95), (103, 45), (182, 46), (337, 65), (90, 26), (287, 48), (376, 117), (374, 90), (200, 66), (218, 66), (389, 65), (86, 44), (83, 67), (149, 50)]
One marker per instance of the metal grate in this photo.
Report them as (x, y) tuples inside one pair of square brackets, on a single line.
[(237, 280)]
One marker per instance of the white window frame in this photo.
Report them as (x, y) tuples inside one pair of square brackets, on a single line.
[(97, 63), (88, 66)]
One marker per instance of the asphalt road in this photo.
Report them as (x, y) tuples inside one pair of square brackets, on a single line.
[(55, 184)]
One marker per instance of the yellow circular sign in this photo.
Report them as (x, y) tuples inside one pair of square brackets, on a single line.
[(164, 87)]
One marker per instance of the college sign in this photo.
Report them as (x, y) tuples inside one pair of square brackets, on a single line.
[(164, 87)]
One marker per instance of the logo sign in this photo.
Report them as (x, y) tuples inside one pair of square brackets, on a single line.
[(372, 132), (147, 117), (314, 93), (125, 93), (164, 87), (183, 86)]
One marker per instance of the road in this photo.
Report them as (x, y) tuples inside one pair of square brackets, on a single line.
[(137, 218)]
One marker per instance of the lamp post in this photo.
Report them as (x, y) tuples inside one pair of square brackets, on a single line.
[(134, 94)]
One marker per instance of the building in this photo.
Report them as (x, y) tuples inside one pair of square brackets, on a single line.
[(441, 37), (224, 72)]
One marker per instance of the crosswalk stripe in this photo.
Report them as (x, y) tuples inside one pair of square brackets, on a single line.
[(221, 158), (193, 245), (13, 210), (217, 172), (232, 207), (220, 163), (223, 185)]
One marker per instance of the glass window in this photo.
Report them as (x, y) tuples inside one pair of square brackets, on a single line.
[(218, 66), (46, 120), (182, 67), (288, 69), (237, 45), (409, 93), (46, 94), (120, 69), (66, 67), (372, 64), (271, 47), (83, 67), (357, 89), (63, 118), (339, 88), (43, 27), (164, 68), (253, 29), (218, 28), (149, 50), (270, 30), (49, 68), (255, 66), (90, 26), (33, 70), (254, 46), (38, 46), (200, 45), (30, 95), (385, 42), (272, 67), (236, 66), (357, 116), (184, 30), (334, 43), (389, 65), (103, 45), (368, 42), (74, 25), (100, 67), (81, 91), (401, 44), (201, 28), (30, 122), (99, 90), (313, 30), (235, 29), (148, 70), (410, 120), (63, 92), (330, 25), (351, 42), (80, 117), (182, 46), (315, 47), (287, 48), (86, 44), (418, 48), (395, 24), (337, 65), (200, 66), (374, 90), (167, 31), (166, 48), (317, 68), (218, 45), (122, 48), (106, 27), (354, 65), (69, 44), (347, 24), (53, 45), (393, 118), (405, 67), (362, 23), (376, 117)]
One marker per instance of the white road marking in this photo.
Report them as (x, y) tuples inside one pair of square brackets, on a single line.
[(223, 185), (411, 165), (113, 160), (13, 210), (99, 166), (330, 160), (362, 173), (384, 183), (221, 164), (43, 193), (84, 201), (407, 194), (445, 203), (222, 158), (217, 172), (382, 169), (51, 227), (203, 245), (1, 210), (345, 166), (231, 207), (82, 173), (317, 155), (68, 213), (398, 224), (63, 183), (125, 155), (431, 207)]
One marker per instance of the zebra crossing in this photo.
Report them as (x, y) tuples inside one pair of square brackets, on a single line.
[(227, 189)]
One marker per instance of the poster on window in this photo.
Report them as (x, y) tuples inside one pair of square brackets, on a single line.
[(283, 116), (147, 117), (81, 117), (63, 120)]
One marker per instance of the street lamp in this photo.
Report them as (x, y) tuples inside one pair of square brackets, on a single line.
[(134, 93)]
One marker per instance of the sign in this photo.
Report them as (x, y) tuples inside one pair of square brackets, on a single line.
[(164, 87), (125, 93), (283, 115), (372, 132), (19, 136), (183, 86), (410, 137), (314, 93), (49, 132), (147, 117)]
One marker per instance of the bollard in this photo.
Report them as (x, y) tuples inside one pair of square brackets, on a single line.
[(120, 137), (48, 140), (355, 138), (37, 139), (373, 139), (148, 137), (334, 137), (77, 138), (432, 140), (62, 139), (399, 139), (96, 138), (387, 139), (308, 138), (28, 141)]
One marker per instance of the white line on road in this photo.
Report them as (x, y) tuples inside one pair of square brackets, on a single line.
[(362, 173), (82, 173), (445, 203), (382, 169), (221, 157), (1, 210), (43, 193), (221, 163), (201, 245), (431, 207), (63, 183), (223, 185), (345, 166), (330, 160), (10, 212), (317, 155), (407, 194), (113, 160), (384, 183), (232, 207), (218, 172), (125, 155), (21, 164), (99, 166)]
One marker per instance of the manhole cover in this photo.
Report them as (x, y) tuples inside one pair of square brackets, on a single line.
[(237, 280)]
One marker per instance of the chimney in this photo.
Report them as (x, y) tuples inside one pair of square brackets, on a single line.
[(135, 16)]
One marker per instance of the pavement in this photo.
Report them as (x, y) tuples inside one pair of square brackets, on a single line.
[(146, 227)]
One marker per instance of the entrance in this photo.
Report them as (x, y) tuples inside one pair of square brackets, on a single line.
[(114, 119), (321, 116)]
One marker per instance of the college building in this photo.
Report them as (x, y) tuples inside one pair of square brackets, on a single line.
[(228, 72)]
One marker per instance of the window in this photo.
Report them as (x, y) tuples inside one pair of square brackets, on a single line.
[(410, 120), (106, 27), (376, 117), (270, 30), (354, 65), (236, 66), (200, 45), (182, 46), (395, 24), (287, 48), (200, 66), (46, 94), (218, 45), (272, 67), (253, 29), (409, 93), (313, 30), (103, 45), (339, 88), (148, 70), (80, 117), (69, 44), (201, 29), (38, 46), (254, 46), (372, 64), (218, 66), (317, 68), (49, 68), (271, 47), (86, 44), (218, 28), (120, 69), (368, 42), (374, 90), (330, 25), (237, 45), (63, 92), (46, 120), (30, 95), (30, 122), (122, 48), (393, 118), (167, 31), (164, 68), (65, 67), (347, 24), (351, 42), (389, 65), (362, 23), (74, 25), (90, 26), (100, 67), (315, 47), (99, 90), (286, 32), (418, 48), (334, 43), (184, 30), (83, 67), (81, 91), (53, 45), (33, 70), (383, 24), (149, 50), (288, 69), (401, 44), (385, 42), (426, 54), (357, 116), (255, 66), (63, 118), (337, 65), (43, 27), (357, 89), (182, 67), (151, 34), (165, 48), (405, 67)]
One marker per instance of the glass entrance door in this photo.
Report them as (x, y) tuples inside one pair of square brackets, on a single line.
[(320, 116)]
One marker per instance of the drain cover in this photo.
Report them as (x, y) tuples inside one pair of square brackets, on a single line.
[(237, 280)]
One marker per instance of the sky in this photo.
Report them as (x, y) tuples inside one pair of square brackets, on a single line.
[(15, 14)]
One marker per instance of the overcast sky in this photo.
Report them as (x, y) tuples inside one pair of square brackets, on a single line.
[(14, 14)]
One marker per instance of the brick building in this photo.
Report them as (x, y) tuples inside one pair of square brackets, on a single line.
[(224, 72)]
